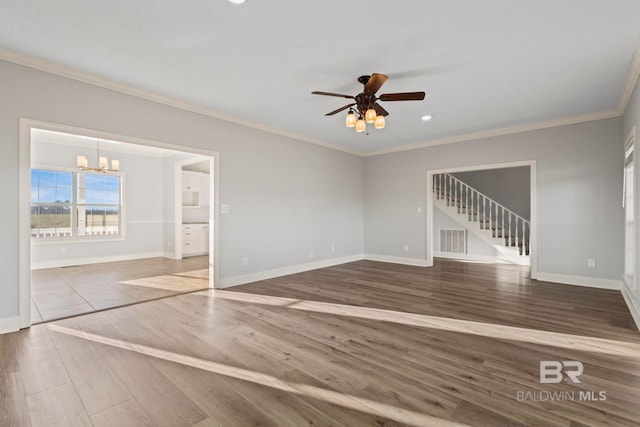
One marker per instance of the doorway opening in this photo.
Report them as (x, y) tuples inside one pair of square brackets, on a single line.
[(98, 221), (461, 216)]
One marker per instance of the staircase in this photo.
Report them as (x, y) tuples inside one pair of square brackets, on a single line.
[(507, 231)]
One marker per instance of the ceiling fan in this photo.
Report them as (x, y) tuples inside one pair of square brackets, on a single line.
[(366, 104)]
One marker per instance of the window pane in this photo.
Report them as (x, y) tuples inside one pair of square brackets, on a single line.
[(63, 195), (46, 194), (100, 221), (35, 175), (64, 179), (97, 182), (50, 221), (112, 197), (50, 186), (47, 179)]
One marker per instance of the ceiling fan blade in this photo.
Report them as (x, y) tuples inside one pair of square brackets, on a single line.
[(375, 82), (332, 94), (404, 96), (379, 110), (340, 109)]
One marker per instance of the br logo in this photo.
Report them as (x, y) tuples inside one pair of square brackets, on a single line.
[(552, 371)]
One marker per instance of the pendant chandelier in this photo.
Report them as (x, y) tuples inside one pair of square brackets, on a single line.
[(103, 162)]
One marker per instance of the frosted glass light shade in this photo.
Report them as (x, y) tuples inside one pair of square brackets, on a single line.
[(379, 122), (370, 115), (351, 120), (360, 126), (103, 163), (82, 162)]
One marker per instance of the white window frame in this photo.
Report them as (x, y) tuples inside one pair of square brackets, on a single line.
[(74, 206), (629, 197)]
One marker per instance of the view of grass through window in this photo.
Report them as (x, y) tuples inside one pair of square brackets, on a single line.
[(66, 204)]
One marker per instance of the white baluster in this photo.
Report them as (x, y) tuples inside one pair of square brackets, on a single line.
[(484, 219), (492, 216), (476, 211), (447, 187)]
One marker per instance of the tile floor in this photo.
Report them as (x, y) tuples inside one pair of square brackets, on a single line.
[(68, 291)]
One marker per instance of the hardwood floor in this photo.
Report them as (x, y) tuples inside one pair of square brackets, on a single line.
[(361, 344), (68, 291)]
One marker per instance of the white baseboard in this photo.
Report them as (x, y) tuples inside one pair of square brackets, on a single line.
[(590, 282), (94, 260), (484, 258), (397, 260), (9, 324), (633, 308), (284, 271)]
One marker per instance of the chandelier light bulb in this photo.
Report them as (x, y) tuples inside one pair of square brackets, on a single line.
[(360, 126), (379, 122)]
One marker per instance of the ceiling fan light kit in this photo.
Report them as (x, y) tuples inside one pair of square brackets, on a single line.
[(351, 119), (367, 109)]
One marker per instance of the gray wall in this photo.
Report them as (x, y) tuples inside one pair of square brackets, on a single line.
[(286, 197), (508, 186), (579, 179)]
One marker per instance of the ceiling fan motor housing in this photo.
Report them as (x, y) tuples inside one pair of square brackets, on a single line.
[(364, 101)]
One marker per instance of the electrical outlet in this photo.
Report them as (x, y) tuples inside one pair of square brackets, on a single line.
[(406, 248), (311, 254), (591, 263), (245, 261), (419, 209), (333, 248)]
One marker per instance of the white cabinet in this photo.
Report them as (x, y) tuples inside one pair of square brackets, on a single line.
[(195, 189), (195, 239), (191, 188), (191, 181)]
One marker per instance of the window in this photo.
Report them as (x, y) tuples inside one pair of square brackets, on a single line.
[(629, 207), (75, 204)]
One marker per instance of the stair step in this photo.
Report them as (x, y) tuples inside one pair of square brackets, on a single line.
[(485, 219)]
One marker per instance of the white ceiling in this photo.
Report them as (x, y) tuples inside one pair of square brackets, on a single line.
[(485, 65)]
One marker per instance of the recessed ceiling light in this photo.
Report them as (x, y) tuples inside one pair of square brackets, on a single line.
[(426, 118), (236, 1)]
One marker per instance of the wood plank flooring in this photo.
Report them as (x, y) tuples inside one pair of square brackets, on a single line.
[(361, 344), (57, 293)]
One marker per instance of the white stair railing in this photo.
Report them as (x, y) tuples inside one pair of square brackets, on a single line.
[(491, 215)]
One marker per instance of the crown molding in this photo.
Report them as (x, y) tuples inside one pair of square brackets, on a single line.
[(500, 132), (68, 72), (630, 84)]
